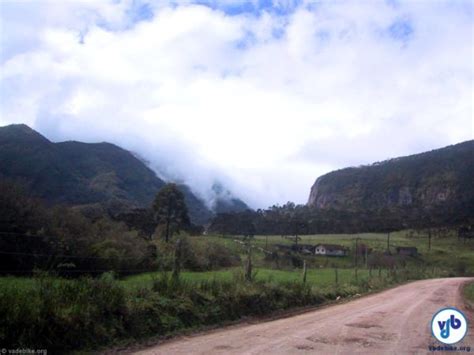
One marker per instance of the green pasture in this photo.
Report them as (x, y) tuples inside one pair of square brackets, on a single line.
[(314, 277), (444, 251)]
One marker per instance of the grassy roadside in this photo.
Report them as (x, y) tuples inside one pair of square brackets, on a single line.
[(141, 344), (468, 292), (88, 314)]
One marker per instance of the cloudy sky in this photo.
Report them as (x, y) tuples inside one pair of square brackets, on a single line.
[(261, 95)]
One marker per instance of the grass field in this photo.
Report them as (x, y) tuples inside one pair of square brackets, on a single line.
[(446, 252), (377, 241), (318, 277), (447, 256)]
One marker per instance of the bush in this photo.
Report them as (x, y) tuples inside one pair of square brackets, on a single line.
[(197, 254)]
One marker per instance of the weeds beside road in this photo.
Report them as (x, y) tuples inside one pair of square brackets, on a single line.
[(86, 313)]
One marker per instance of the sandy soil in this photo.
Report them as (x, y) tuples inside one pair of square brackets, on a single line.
[(394, 321)]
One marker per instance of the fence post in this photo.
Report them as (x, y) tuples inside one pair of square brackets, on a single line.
[(177, 260), (248, 268), (304, 271), (366, 256), (356, 252), (429, 239)]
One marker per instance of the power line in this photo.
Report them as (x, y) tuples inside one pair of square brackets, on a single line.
[(84, 271), (65, 256), (14, 234)]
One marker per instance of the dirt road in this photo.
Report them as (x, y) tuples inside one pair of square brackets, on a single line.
[(393, 321)]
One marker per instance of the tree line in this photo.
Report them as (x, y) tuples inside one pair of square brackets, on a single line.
[(292, 219)]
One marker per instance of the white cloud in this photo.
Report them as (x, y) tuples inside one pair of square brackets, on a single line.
[(264, 101)]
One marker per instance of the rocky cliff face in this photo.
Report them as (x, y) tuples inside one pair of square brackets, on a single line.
[(439, 177)]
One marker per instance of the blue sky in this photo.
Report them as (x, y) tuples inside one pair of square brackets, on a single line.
[(264, 96)]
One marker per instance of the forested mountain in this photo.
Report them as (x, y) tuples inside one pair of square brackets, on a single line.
[(85, 174), (442, 178), (429, 190)]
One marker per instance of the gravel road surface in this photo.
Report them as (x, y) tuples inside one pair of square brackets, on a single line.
[(394, 321)]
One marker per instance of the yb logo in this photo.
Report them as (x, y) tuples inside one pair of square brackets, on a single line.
[(451, 322)]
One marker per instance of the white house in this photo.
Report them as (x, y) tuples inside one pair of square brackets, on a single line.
[(330, 250)]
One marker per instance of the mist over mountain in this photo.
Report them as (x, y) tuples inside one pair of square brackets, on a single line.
[(224, 201), (76, 173)]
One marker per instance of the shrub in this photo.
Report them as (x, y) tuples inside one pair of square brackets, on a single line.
[(197, 254)]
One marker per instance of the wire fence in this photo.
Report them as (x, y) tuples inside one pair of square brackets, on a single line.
[(63, 256), (67, 256)]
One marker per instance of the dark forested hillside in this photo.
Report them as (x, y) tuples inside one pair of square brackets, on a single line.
[(199, 213), (76, 173), (442, 178)]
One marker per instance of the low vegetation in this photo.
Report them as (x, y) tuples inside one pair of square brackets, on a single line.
[(469, 294), (85, 313)]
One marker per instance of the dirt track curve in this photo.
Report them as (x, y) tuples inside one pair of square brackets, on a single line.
[(394, 321)]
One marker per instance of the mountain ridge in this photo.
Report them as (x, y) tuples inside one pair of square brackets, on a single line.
[(81, 174)]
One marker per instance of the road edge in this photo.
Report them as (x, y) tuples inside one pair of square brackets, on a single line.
[(276, 315), (468, 304)]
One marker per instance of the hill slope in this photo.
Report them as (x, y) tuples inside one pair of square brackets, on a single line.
[(74, 172), (439, 178), (78, 173)]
